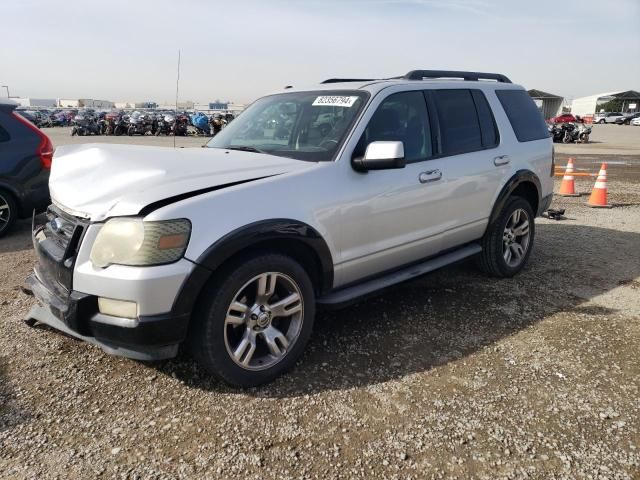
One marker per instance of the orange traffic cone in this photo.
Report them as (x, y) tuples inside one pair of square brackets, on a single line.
[(598, 196), (568, 185)]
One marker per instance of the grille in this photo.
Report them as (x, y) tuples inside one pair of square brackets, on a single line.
[(61, 226), (56, 243)]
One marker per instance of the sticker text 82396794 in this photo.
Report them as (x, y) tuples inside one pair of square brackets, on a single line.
[(334, 101)]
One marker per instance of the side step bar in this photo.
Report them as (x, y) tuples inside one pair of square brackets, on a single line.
[(348, 294)]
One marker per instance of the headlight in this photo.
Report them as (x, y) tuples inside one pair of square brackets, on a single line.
[(131, 241)]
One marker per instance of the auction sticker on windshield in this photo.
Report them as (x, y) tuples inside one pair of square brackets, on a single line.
[(334, 101)]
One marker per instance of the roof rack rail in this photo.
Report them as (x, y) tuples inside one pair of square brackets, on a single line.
[(468, 76), (344, 80)]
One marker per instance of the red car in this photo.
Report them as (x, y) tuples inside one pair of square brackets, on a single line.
[(565, 118)]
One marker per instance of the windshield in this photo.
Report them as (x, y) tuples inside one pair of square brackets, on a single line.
[(302, 125)]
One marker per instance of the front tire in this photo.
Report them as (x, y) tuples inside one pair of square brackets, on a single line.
[(254, 321), (508, 241)]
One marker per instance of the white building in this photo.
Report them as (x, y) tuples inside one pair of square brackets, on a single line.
[(124, 105), (99, 104), (68, 103), (590, 105), (36, 102), (85, 103)]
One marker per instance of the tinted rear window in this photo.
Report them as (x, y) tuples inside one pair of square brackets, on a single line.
[(525, 118), (459, 125)]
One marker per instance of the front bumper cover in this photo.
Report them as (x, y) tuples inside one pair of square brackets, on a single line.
[(144, 338)]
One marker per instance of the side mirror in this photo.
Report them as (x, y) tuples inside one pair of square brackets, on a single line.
[(381, 156)]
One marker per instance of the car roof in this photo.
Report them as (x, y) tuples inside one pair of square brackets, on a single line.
[(375, 86), (422, 79), (6, 104)]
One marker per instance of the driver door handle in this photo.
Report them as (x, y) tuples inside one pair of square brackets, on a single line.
[(430, 176), (501, 160)]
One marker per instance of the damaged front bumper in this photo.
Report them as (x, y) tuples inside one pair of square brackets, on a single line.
[(144, 338)]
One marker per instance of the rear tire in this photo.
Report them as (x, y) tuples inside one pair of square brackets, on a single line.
[(8, 212), (246, 338), (508, 241)]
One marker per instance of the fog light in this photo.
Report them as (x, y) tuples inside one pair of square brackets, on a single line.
[(117, 308)]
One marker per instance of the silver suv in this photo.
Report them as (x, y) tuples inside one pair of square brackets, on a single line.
[(311, 197), (610, 117)]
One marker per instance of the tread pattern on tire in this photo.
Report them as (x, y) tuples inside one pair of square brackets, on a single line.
[(13, 207), (199, 341), (489, 259)]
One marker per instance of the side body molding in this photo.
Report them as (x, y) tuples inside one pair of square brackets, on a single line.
[(273, 230), (520, 177)]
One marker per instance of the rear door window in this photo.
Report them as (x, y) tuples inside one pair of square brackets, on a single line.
[(459, 125), (524, 116)]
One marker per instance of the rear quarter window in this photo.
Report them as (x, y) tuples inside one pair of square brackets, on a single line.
[(524, 116), (490, 137)]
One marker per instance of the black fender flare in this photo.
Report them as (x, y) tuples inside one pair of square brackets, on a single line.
[(244, 238), (518, 178)]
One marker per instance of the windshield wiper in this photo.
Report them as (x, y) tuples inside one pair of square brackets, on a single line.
[(245, 148)]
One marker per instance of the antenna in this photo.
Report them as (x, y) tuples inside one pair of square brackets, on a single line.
[(177, 90)]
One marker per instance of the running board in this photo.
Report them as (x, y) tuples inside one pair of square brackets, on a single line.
[(348, 294)]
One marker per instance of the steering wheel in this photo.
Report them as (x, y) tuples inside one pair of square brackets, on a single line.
[(329, 143)]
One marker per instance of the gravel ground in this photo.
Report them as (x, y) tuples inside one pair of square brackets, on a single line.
[(607, 140), (454, 375)]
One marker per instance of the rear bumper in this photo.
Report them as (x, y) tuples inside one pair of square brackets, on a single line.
[(35, 195), (144, 338)]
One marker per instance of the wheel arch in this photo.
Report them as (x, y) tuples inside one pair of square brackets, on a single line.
[(16, 195), (524, 183), (290, 237)]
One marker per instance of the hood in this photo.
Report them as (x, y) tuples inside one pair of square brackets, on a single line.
[(98, 181)]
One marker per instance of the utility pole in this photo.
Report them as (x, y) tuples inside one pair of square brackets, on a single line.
[(7, 87)]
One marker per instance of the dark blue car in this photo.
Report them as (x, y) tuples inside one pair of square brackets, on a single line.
[(25, 161)]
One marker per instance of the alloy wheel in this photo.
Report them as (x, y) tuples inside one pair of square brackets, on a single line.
[(516, 238), (263, 321), (5, 213)]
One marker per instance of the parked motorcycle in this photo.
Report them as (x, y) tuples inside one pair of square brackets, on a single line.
[(85, 123), (61, 119), (570, 133), (46, 119), (166, 125), (584, 131), (201, 124), (216, 122), (182, 124), (139, 124), (556, 132)]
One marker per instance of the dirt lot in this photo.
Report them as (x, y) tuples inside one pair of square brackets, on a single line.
[(454, 375)]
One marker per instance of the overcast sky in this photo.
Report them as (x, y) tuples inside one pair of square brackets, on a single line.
[(240, 49)]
